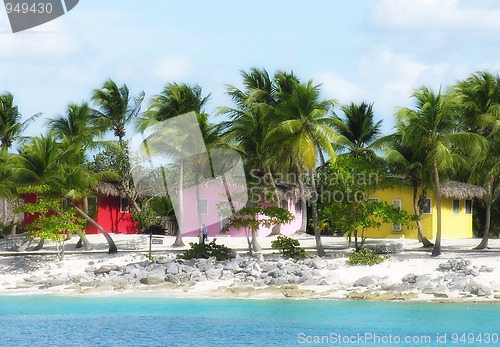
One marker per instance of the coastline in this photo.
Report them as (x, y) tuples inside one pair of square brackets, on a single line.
[(459, 275)]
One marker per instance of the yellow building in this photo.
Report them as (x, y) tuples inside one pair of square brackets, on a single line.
[(456, 211)]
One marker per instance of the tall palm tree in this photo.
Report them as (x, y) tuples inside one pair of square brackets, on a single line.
[(429, 128), (11, 126), (306, 129), (411, 163), (477, 100), (358, 129), (76, 125), (175, 100), (115, 108), (45, 161)]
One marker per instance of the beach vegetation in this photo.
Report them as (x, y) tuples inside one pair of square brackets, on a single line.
[(289, 247), (207, 250), (365, 256)]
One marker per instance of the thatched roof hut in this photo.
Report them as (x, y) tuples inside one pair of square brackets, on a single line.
[(461, 190), (110, 189)]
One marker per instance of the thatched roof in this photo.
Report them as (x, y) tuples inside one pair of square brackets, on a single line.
[(110, 189), (285, 190), (460, 190)]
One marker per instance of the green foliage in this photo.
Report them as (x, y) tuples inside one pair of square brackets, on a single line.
[(349, 183), (289, 247), (207, 250), (365, 256), (52, 220)]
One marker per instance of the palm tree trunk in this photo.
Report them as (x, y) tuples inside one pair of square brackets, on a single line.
[(418, 211), (314, 208), (436, 250), (178, 234), (303, 202), (488, 201), (201, 239), (111, 243)]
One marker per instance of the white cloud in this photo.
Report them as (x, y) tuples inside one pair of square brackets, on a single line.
[(335, 87), (174, 68), (435, 15), (47, 41)]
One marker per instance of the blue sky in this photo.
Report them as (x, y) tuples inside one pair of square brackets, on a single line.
[(365, 50)]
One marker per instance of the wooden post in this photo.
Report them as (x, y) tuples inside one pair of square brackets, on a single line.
[(150, 246)]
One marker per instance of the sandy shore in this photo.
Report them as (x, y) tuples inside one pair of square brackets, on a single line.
[(460, 274)]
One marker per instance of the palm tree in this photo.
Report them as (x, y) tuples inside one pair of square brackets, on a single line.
[(357, 129), (45, 161), (176, 100), (477, 100), (306, 130), (76, 125), (431, 131), (11, 126), (411, 163), (116, 108)]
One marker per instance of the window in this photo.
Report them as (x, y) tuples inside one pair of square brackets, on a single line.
[(427, 206), (284, 204), (374, 199), (397, 204), (455, 206), (298, 207), (124, 205), (202, 206), (92, 204), (64, 204), (468, 206)]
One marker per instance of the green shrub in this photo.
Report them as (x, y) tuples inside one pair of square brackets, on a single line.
[(207, 250), (289, 247), (365, 256)]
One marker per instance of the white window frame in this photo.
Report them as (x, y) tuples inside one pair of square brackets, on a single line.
[(453, 211), (471, 206), (430, 206), (197, 206), (373, 199), (397, 227)]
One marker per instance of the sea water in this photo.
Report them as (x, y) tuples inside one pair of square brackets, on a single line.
[(151, 321)]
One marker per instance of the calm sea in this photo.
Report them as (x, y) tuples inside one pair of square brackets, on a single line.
[(130, 321)]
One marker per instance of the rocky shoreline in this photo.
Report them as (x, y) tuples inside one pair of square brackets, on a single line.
[(261, 276)]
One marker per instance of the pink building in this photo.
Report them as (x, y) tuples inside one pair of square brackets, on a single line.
[(210, 198)]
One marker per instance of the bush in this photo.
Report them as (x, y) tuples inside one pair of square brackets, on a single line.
[(289, 247), (365, 256), (207, 250)]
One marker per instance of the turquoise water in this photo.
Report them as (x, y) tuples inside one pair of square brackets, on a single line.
[(129, 321)]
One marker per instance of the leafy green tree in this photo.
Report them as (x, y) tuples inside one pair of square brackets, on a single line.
[(52, 221), (430, 129), (251, 218), (357, 130), (345, 189), (477, 101)]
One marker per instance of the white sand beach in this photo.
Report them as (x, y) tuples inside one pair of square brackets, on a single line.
[(460, 274)]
